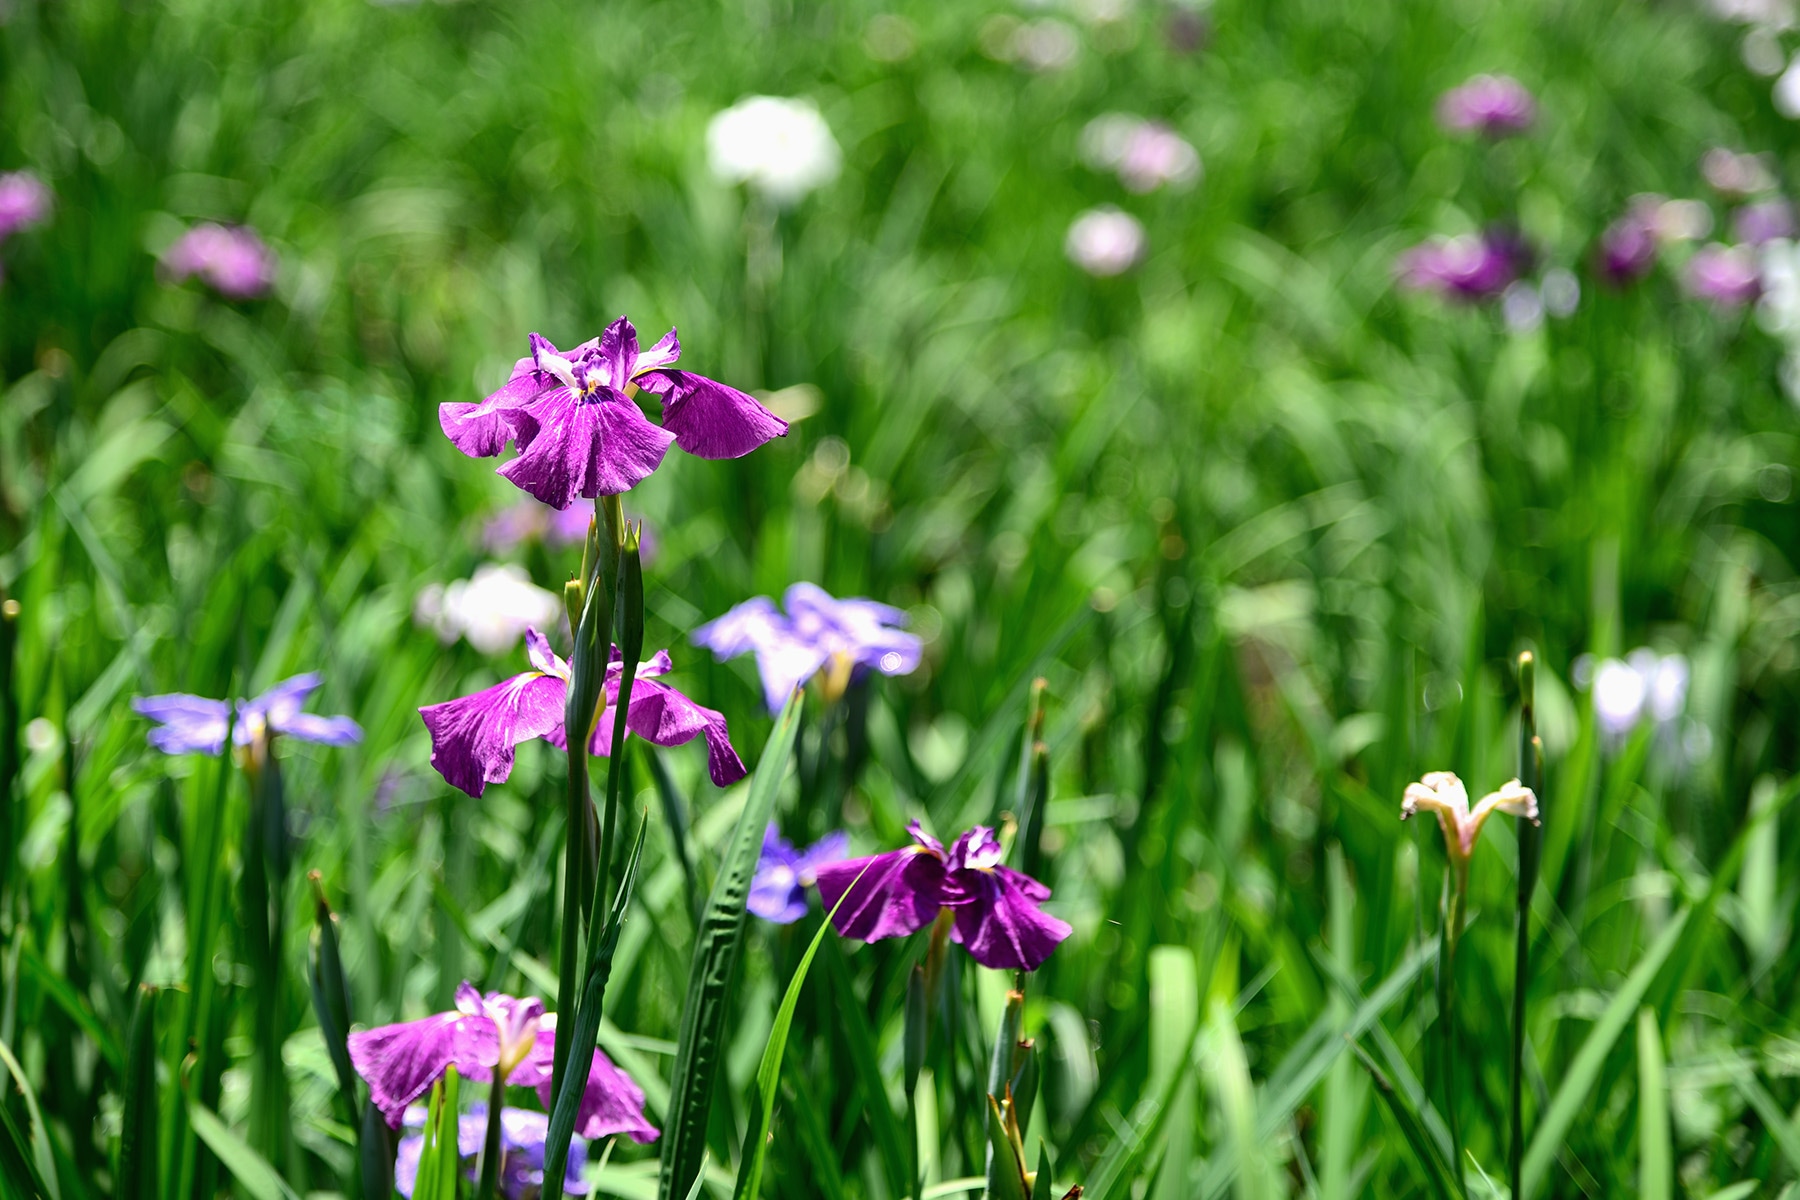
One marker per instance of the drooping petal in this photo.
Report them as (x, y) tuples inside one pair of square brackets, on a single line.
[(571, 447), (709, 419), (331, 731), (185, 724), (1000, 923), (744, 627), (401, 1062), (611, 1103), (472, 738), (899, 893), (663, 716), (1513, 798), (282, 700), (482, 430)]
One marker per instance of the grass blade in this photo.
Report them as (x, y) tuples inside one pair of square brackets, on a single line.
[(250, 1169), (1237, 1101), (716, 946), (43, 1158), (860, 1039), (1656, 1179), (768, 1074), (1425, 1149), (138, 1176), (1578, 1080)]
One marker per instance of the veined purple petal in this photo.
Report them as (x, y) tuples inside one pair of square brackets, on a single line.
[(572, 447), (900, 893), (664, 353), (998, 920), (472, 738), (708, 418), (185, 724), (619, 351), (612, 1103), (401, 1062), (663, 716)]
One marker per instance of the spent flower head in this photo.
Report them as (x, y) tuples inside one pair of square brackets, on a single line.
[(818, 635), (1443, 794), (578, 427), (995, 909)]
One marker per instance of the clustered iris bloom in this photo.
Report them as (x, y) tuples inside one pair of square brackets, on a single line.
[(472, 738), (578, 429), (778, 889), (846, 638), (996, 913), (482, 1035), (195, 725), (522, 1134)]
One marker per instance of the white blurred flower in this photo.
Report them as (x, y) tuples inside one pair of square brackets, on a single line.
[(781, 147), (1562, 292), (1105, 241), (1046, 44), (1778, 310), (1522, 307), (1787, 91), (492, 610), (1618, 696)]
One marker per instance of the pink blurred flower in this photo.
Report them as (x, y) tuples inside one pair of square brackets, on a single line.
[(1627, 249), (232, 260), (1737, 175), (24, 202), (1726, 275), (1470, 267), (1496, 105)]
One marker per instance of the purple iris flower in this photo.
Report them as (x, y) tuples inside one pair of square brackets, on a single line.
[(1763, 221), (1628, 247), (1471, 267), (778, 890), (472, 738), (1495, 105), (195, 725), (1726, 275), (852, 636), (24, 202), (996, 908), (483, 1034), (232, 260), (580, 433), (522, 1134)]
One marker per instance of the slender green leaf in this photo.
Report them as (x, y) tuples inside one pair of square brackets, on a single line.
[(19, 1176), (74, 1006), (1656, 1179), (768, 1073), (1578, 1080), (250, 1169), (1237, 1101), (1006, 1170), (138, 1174), (1425, 1149), (1769, 1111), (860, 1040), (331, 1000), (717, 943), (43, 1158)]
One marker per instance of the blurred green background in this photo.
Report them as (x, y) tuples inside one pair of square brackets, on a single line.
[(1272, 529)]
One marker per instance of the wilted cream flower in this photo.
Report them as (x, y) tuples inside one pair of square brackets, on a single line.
[(1441, 792)]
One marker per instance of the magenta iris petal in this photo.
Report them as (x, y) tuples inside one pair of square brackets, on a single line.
[(401, 1062), (570, 447), (710, 419), (663, 716), (185, 724), (475, 429), (472, 738), (998, 919), (900, 893), (612, 1102)]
